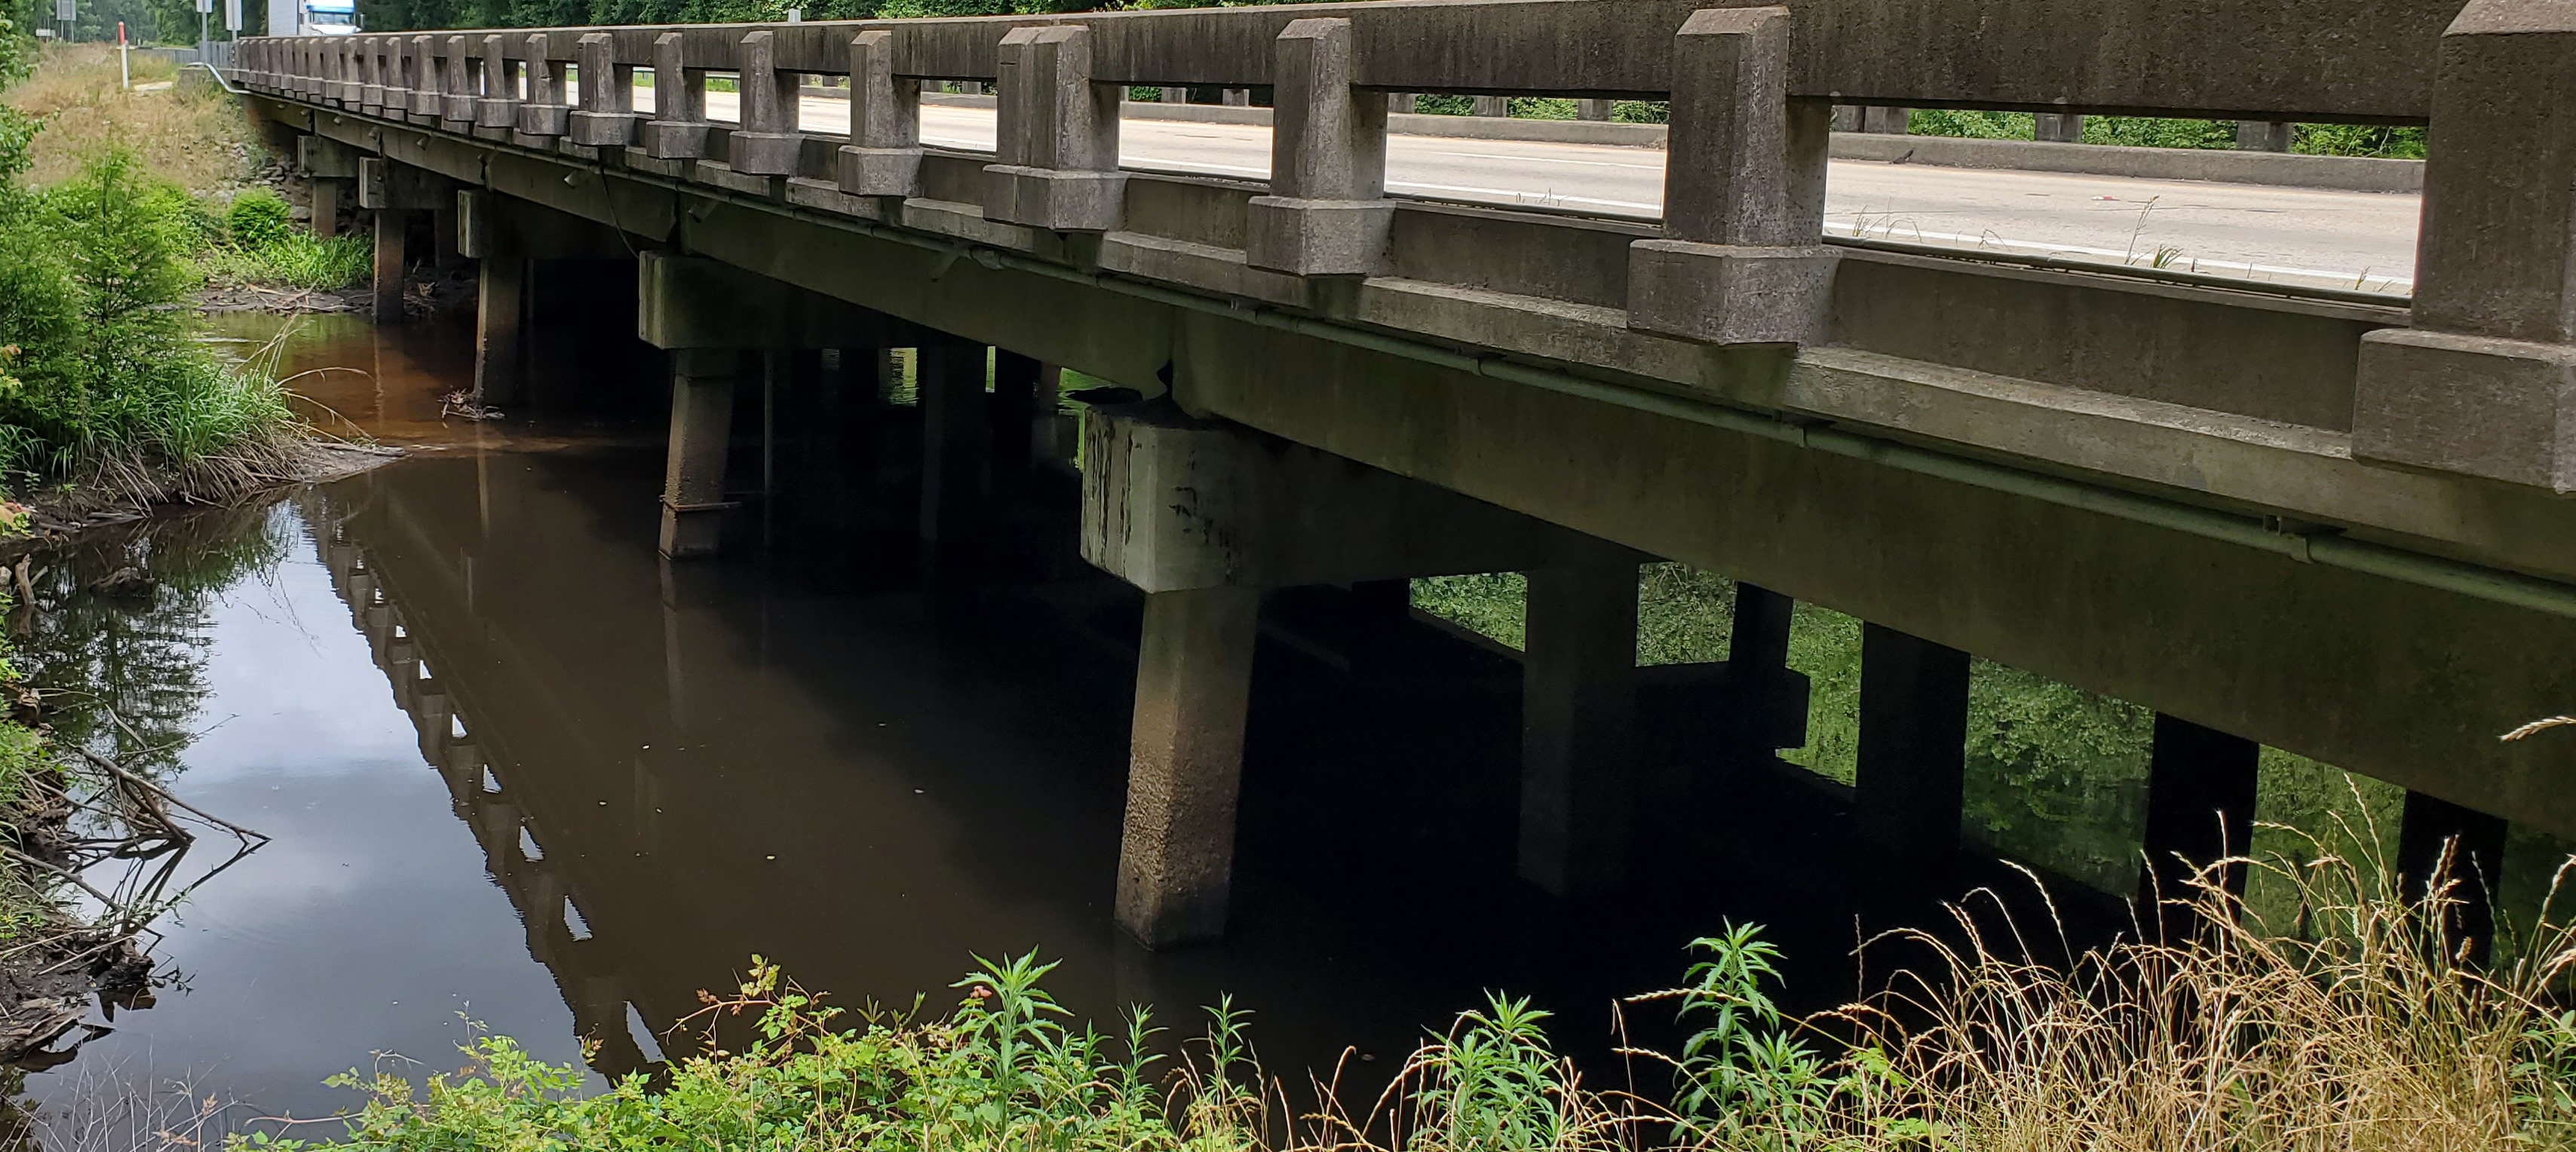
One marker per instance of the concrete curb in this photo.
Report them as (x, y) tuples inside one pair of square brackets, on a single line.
[(2280, 169), (2346, 173)]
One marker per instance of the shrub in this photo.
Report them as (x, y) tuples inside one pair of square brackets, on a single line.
[(259, 218)]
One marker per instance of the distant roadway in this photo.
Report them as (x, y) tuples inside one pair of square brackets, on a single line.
[(2303, 236)]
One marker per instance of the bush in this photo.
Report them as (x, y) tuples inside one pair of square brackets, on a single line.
[(299, 260), (259, 218), (104, 381)]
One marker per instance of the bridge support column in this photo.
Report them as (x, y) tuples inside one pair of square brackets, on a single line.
[(956, 457), (391, 225), (2200, 809), (1742, 259), (500, 313), (1578, 709), (331, 168), (693, 503), (1913, 741), (1011, 425), (1202, 516), (1185, 761), (2435, 832), (2483, 382)]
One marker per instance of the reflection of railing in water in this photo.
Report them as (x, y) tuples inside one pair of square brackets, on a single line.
[(476, 778)]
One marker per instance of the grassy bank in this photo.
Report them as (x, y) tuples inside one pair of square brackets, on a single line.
[(2351, 1029), (106, 395)]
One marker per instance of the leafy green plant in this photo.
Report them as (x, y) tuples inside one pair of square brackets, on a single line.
[(259, 218)]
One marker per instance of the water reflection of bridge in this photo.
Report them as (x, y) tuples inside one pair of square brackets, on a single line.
[(497, 803)]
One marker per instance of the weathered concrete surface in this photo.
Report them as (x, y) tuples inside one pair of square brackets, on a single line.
[(1193, 684), (693, 495), (1171, 503)]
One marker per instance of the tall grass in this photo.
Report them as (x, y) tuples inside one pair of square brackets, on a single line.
[(2358, 1026), (298, 260)]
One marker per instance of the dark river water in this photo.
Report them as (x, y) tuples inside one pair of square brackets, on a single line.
[(522, 776)]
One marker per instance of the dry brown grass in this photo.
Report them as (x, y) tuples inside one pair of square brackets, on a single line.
[(196, 136)]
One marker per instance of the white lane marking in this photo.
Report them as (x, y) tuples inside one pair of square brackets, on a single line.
[(1551, 160)]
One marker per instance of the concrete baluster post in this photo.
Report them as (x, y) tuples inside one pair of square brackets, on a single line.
[(1235, 97), (1889, 121), (693, 496), (346, 86), (768, 143), (1742, 260), (498, 107), (1578, 720), (1594, 110), (1173, 94), (1405, 102), (1056, 136), (2483, 381), (459, 85), (404, 78), (1327, 212), (1185, 763), (2265, 135), (371, 74), (678, 129), (1913, 742), (2200, 810), (607, 116), (546, 112), (2058, 127), (883, 157), (1499, 106)]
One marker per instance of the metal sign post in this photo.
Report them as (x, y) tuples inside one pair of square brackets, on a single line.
[(67, 14)]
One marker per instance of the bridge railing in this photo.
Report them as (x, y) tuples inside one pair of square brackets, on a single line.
[(2484, 383)]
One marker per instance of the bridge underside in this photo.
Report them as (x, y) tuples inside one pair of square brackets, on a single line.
[(2384, 676)]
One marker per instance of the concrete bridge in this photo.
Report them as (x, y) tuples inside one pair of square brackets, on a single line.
[(2327, 521)]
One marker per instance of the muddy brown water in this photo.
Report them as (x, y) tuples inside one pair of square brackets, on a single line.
[(575, 787)]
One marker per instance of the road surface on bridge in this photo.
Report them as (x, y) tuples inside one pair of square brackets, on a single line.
[(2310, 237)]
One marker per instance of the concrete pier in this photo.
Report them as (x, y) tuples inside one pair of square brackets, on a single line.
[(1193, 685), (1578, 706), (1913, 741), (2442, 842), (391, 224), (2200, 809), (693, 503), (956, 454), (500, 309)]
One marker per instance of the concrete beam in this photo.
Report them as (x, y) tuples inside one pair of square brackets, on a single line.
[(1172, 503), (690, 302)]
